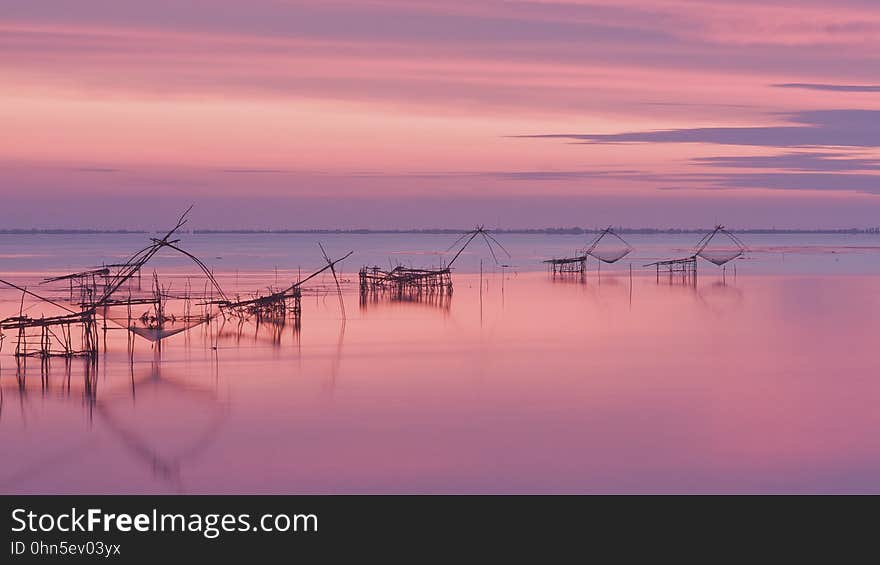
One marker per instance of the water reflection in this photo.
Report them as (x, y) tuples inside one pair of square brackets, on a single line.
[(238, 332), (721, 297), (56, 378), (441, 301), (134, 420), (569, 278), (136, 417), (615, 385)]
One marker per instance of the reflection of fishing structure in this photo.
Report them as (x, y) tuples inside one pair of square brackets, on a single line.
[(439, 300), (684, 270), (402, 282), (237, 330), (134, 425), (720, 297), (164, 461), (64, 386), (99, 293), (610, 250)]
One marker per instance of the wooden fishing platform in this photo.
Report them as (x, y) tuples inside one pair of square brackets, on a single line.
[(68, 335), (401, 281), (567, 265), (152, 315), (683, 270)]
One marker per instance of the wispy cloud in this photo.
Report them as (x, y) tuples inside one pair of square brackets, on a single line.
[(830, 87), (253, 171), (849, 182), (820, 128), (96, 170), (416, 98), (795, 161)]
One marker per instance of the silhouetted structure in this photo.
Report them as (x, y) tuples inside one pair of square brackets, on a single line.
[(98, 293), (403, 281), (598, 248), (685, 269), (567, 265), (601, 250)]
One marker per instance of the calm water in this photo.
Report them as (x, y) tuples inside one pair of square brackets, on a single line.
[(770, 254), (761, 382)]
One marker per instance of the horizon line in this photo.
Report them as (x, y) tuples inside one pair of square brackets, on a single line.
[(571, 230)]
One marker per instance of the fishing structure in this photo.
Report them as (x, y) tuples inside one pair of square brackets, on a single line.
[(276, 307), (106, 298), (81, 284), (720, 255), (567, 265), (605, 253), (685, 269), (402, 283), (69, 334)]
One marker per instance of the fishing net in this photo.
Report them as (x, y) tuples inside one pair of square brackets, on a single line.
[(155, 334), (720, 246), (610, 255), (720, 256), (609, 247)]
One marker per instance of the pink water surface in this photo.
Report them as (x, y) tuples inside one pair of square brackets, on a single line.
[(756, 384)]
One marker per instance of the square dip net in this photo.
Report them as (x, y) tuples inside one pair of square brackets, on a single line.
[(719, 246), (609, 247)]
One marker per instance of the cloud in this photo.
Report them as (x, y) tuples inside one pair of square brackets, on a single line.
[(814, 172), (532, 175), (96, 170), (560, 175), (357, 20), (254, 171), (537, 54), (697, 105), (816, 128), (830, 87), (864, 183), (774, 181), (795, 161)]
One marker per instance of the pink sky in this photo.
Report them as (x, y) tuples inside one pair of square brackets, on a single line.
[(415, 113)]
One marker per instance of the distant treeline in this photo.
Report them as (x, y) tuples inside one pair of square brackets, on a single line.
[(449, 231), (553, 231), (65, 231)]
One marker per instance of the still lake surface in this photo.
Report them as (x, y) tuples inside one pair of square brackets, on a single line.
[(762, 378)]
